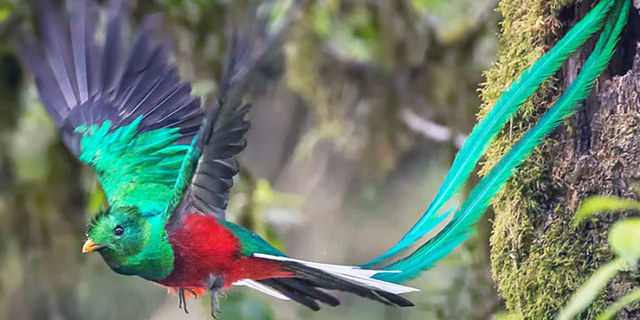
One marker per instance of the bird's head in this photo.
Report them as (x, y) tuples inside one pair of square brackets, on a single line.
[(130, 242), (117, 234)]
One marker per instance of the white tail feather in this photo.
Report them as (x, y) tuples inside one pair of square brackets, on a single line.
[(261, 287), (349, 273)]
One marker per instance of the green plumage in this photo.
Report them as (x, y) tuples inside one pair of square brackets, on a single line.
[(183, 179), (250, 242), (134, 169), (462, 225)]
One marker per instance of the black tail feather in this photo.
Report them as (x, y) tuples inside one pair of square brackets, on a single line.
[(296, 286), (304, 288)]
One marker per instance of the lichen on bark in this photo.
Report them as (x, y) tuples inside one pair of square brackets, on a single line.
[(538, 258)]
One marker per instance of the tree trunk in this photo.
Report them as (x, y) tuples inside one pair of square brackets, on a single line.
[(538, 258)]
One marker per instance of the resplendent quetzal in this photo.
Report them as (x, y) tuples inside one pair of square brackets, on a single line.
[(166, 164)]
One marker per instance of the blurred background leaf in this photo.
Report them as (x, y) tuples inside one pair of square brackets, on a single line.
[(599, 204), (590, 289), (626, 300), (624, 241)]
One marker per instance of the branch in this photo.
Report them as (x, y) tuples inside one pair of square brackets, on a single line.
[(429, 129)]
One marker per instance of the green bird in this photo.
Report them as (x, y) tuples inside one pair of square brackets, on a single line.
[(167, 164)]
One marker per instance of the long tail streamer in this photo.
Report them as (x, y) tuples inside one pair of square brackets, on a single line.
[(461, 226)]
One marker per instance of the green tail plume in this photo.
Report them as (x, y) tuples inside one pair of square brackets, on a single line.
[(483, 134), (462, 225)]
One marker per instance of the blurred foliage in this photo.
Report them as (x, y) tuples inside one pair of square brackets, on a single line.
[(245, 306), (392, 60), (256, 205), (590, 289), (5, 11), (452, 20), (624, 241), (351, 67), (627, 300), (598, 204)]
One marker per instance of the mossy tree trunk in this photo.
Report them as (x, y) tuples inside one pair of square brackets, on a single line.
[(538, 258)]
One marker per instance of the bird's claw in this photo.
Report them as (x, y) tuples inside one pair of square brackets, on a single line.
[(215, 302), (182, 299), (215, 283)]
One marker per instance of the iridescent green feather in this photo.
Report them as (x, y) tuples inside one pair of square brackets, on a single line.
[(484, 133), (250, 242), (134, 169), (462, 225)]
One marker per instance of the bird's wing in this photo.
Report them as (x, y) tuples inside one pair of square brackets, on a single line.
[(207, 174), (132, 119)]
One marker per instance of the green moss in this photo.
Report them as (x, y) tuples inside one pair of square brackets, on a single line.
[(535, 270)]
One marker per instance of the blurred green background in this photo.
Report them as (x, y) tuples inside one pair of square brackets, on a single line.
[(353, 129)]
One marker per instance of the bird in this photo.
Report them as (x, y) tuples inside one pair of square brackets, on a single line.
[(166, 162)]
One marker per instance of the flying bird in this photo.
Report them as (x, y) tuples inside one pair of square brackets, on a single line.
[(166, 163)]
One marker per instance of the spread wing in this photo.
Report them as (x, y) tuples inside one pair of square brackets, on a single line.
[(207, 174), (127, 115)]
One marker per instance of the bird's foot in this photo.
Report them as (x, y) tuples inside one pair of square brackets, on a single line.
[(215, 284), (215, 302), (183, 299)]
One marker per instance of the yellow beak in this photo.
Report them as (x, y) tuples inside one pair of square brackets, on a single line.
[(90, 246)]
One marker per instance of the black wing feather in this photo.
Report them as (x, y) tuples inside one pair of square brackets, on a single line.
[(81, 26), (50, 92), (212, 167), (58, 50), (110, 66), (84, 83)]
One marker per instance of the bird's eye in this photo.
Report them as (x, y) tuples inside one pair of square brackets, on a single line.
[(118, 231)]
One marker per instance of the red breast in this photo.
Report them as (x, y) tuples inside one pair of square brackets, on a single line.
[(201, 247)]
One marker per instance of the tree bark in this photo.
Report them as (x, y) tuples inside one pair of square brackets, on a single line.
[(538, 257)]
